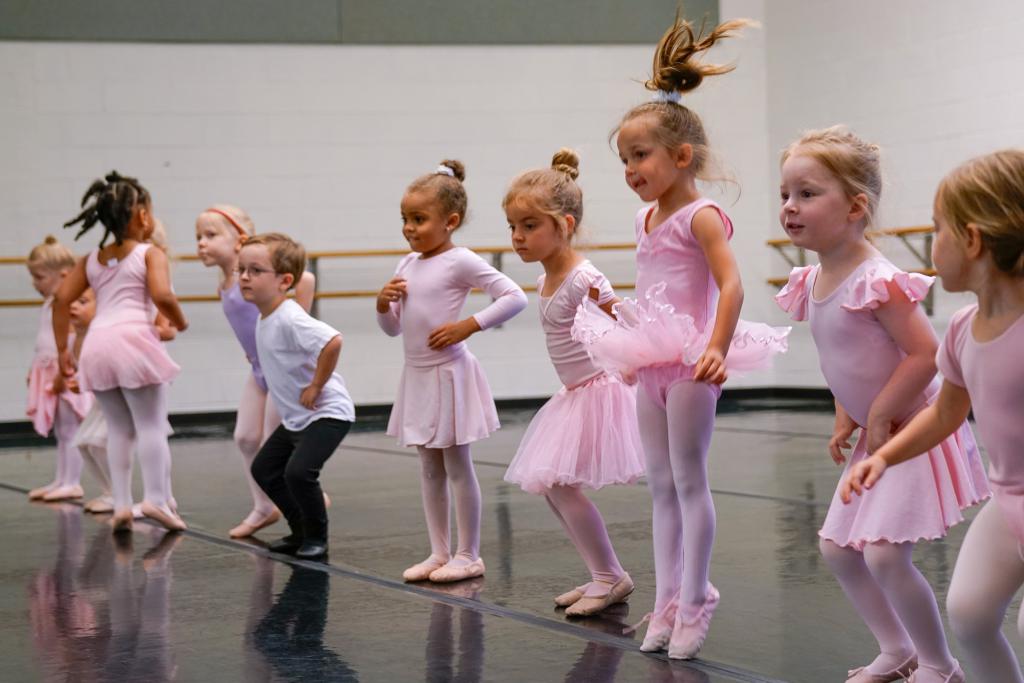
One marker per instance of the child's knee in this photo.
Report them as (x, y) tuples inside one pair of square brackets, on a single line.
[(970, 621), (247, 441)]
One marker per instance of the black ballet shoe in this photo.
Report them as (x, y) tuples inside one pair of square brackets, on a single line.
[(289, 545), (312, 550)]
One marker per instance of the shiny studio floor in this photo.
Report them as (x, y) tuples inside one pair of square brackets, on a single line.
[(76, 604)]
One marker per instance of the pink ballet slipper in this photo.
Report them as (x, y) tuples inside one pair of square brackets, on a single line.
[(592, 604), (422, 570), (246, 528), (926, 674), (38, 493), (122, 521), (659, 626), (166, 518), (901, 672), (688, 635), (450, 573), (99, 505), (63, 493), (569, 597)]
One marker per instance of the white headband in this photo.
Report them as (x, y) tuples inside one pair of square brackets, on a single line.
[(666, 96), (444, 170)]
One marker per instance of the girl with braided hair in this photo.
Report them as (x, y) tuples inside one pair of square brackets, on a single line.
[(122, 360)]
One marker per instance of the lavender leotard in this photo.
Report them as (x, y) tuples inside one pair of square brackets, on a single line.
[(242, 317)]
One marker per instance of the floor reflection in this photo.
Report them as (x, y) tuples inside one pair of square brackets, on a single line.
[(451, 658), (290, 636)]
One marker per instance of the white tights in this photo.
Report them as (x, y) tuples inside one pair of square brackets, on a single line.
[(585, 527), (138, 417), (439, 467), (257, 419), (676, 441), (69, 460), (989, 571), (894, 600)]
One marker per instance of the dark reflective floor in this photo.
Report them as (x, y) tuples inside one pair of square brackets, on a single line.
[(78, 604)]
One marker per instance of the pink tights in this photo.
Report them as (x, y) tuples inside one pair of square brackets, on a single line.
[(989, 571), (585, 528), (257, 419), (894, 600), (439, 467), (138, 417), (676, 439)]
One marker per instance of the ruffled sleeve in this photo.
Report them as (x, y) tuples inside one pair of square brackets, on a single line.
[(871, 289), (793, 297)]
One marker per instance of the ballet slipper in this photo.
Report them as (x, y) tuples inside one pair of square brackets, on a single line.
[(592, 604), (166, 518), (659, 626), (422, 570), (38, 493), (246, 529), (122, 521), (569, 597), (955, 676), (688, 635), (907, 668), (63, 493), (137, 511), (450, 573), (99, 505)]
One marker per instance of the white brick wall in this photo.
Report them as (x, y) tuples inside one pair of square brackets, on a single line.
[(320, 141)]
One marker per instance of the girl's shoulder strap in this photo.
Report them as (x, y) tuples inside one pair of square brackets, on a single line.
[(643, 215), (703, 203)]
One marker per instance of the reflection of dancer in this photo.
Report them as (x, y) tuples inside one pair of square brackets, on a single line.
[(292, 632), (441, 642), (599, 663), (255, 668)]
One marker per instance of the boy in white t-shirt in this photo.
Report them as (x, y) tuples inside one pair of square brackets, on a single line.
[(298, 354)]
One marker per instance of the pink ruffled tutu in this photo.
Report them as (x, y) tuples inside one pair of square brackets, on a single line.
[(586, 436), (443, 405), (919, 499), (42, 402), (650, 333), (128, 355)]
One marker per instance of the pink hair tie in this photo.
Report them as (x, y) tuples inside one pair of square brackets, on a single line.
[(241, 231)]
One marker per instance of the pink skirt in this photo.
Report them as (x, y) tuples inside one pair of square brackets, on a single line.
[(443, 405), (919, 499), (42, 402), (586, 436), (129, 356), (651, 333)]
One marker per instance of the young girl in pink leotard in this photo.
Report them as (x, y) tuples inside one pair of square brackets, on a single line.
[(220, 232), (683, 334), (123, 361), (586, 436), (444, 402), (877, 352), (978, 247)]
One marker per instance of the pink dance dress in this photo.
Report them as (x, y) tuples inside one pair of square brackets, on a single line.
[(661, 335), (443, 397), (920, 498), (586, 434), (993, 374), (42, 402), (122, 349)]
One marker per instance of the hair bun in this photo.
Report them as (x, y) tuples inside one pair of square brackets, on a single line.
[(457, 167), (49, 239), (567, 161)]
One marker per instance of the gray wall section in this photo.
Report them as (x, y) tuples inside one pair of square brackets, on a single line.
[(400, 22)]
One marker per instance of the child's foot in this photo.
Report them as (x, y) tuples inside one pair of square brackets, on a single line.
[(690, 630), (63, 493), (422, 570), (100, 505), (164, 516), (38, 493), (312, 550), (289, 545), (458, 569), (926, 674), (569, 597), (659, 626), (122, 521), (254, 522), (886, 667), (592, 604)]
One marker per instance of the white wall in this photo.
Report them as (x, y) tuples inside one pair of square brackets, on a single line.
[(321, 141)]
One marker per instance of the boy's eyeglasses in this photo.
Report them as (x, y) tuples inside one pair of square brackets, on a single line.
[(253, 271)]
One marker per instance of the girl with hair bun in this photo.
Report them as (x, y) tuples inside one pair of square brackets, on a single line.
[(683, 335), (444, 402), (586, 436), (51, 403), (221, 230)]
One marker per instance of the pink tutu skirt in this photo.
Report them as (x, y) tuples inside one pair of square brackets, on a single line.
[(650, 333), (129, 356), (443, 405), (586, 436), (919, 499), (42, 402)]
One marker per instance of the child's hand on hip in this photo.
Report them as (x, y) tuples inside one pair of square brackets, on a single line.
[(309, 396), (452, 333)]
